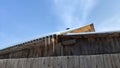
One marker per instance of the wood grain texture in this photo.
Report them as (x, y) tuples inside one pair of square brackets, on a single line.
[(79, 45), (88, 61)]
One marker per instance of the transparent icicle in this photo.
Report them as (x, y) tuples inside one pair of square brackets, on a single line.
[(45, 42), (53, 42), (49, 40)]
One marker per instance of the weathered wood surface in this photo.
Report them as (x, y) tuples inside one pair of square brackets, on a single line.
[(88, 61), (79, 45)]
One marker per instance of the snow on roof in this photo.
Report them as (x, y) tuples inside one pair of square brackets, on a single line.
[(90, 33), (71, 29)]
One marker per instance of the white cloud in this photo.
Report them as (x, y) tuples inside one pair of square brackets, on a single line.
[(88, 6), (73, 12), (110, 24)]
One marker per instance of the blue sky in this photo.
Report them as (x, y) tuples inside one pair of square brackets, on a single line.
[(22, 20)]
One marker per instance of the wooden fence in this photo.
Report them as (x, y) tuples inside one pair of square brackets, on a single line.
[(86, 61)]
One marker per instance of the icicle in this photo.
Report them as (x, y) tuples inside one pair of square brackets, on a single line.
[(49, 42), (45, 41), (53, 42)]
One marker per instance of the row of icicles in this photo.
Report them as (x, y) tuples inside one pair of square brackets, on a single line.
[(51, 40)]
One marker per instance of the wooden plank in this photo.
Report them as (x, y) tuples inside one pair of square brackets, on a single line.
[(107, 62), (99, 62), (50, 62), (63, 62), (70, 62), (76, 62), (115, 61), (93, 61), (84, 61)]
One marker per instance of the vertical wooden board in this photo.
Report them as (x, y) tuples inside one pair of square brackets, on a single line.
[(117, 44), (115, 61), (37, 63), (34, 63), (4, 64), (13, 63), (16, 64), (97, 45), (20, 63), (28, 62), (76, 62), (89, 46), (9, 63), (44, 64), (70, 61), (88, 62), (112, 45), (101, 44), (107, 45), (85, 43), (59, 62), (23, 63), (41, 63), (56, 63), (47, 62), (93, 61), (118, 57), (64, 62), (50, 62), (82, 46), (99, 61), (85, 61), (59, 50), (82, 62), (1, 63), (107, 62)]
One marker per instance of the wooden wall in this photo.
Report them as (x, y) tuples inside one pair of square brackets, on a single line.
[(88, 61), (67, 46), (91, 44)]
